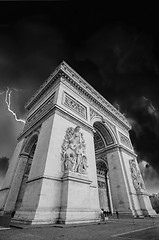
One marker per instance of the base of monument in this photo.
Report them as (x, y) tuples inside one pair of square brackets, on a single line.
[(128, 215), (5, 220), (49, 222), (78, 222), (71, 216), (21, 222), (36, 217), (149, 212)]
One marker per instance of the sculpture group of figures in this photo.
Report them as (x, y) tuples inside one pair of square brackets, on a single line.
[(136, 176), (74, 151)]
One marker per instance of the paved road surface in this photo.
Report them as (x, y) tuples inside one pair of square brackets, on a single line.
[(145, 229)]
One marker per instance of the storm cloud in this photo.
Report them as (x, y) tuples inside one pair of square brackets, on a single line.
[(116, 52), (128, 71)]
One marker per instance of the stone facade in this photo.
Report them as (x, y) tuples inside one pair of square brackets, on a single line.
[(73, 157)]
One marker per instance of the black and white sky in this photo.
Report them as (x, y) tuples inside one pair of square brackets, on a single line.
[(114, 48)]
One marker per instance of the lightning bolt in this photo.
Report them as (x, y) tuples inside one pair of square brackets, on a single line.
[(7, 100)]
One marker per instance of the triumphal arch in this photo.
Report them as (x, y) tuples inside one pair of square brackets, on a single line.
[(73, 157)]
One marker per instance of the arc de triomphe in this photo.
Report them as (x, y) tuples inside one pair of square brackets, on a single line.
[(73, 158)]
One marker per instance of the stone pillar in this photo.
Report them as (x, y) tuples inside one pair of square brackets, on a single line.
[(52, 196), (142, 194), (37, 183), (8, 181), (16, 183), (140, 202), (79, 196), (109, 194), (75, 199), (145, 204), (135, 206), (119, 190)]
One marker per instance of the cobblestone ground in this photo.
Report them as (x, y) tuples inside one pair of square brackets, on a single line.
[(146, 229)]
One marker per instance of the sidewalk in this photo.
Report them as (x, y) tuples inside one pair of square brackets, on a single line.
[(121, 229)]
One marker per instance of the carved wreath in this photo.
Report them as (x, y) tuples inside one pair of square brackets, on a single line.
[(73, 154)]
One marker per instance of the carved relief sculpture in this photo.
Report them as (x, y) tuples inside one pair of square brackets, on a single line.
[(73, 151), (136, 176)]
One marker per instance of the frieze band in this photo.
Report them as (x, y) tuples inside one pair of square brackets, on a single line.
[(39, 113), (74, 105), (124, 140)]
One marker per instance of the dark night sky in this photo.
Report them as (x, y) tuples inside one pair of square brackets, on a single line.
[(115, 48)]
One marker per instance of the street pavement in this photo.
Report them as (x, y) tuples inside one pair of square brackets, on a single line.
[(122, 229)]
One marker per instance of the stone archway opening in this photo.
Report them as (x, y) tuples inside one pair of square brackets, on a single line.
[(27, 154), (102, 171), (102, 141)]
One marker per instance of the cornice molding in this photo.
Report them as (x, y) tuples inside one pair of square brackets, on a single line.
[(68, 75), (127, 150)]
